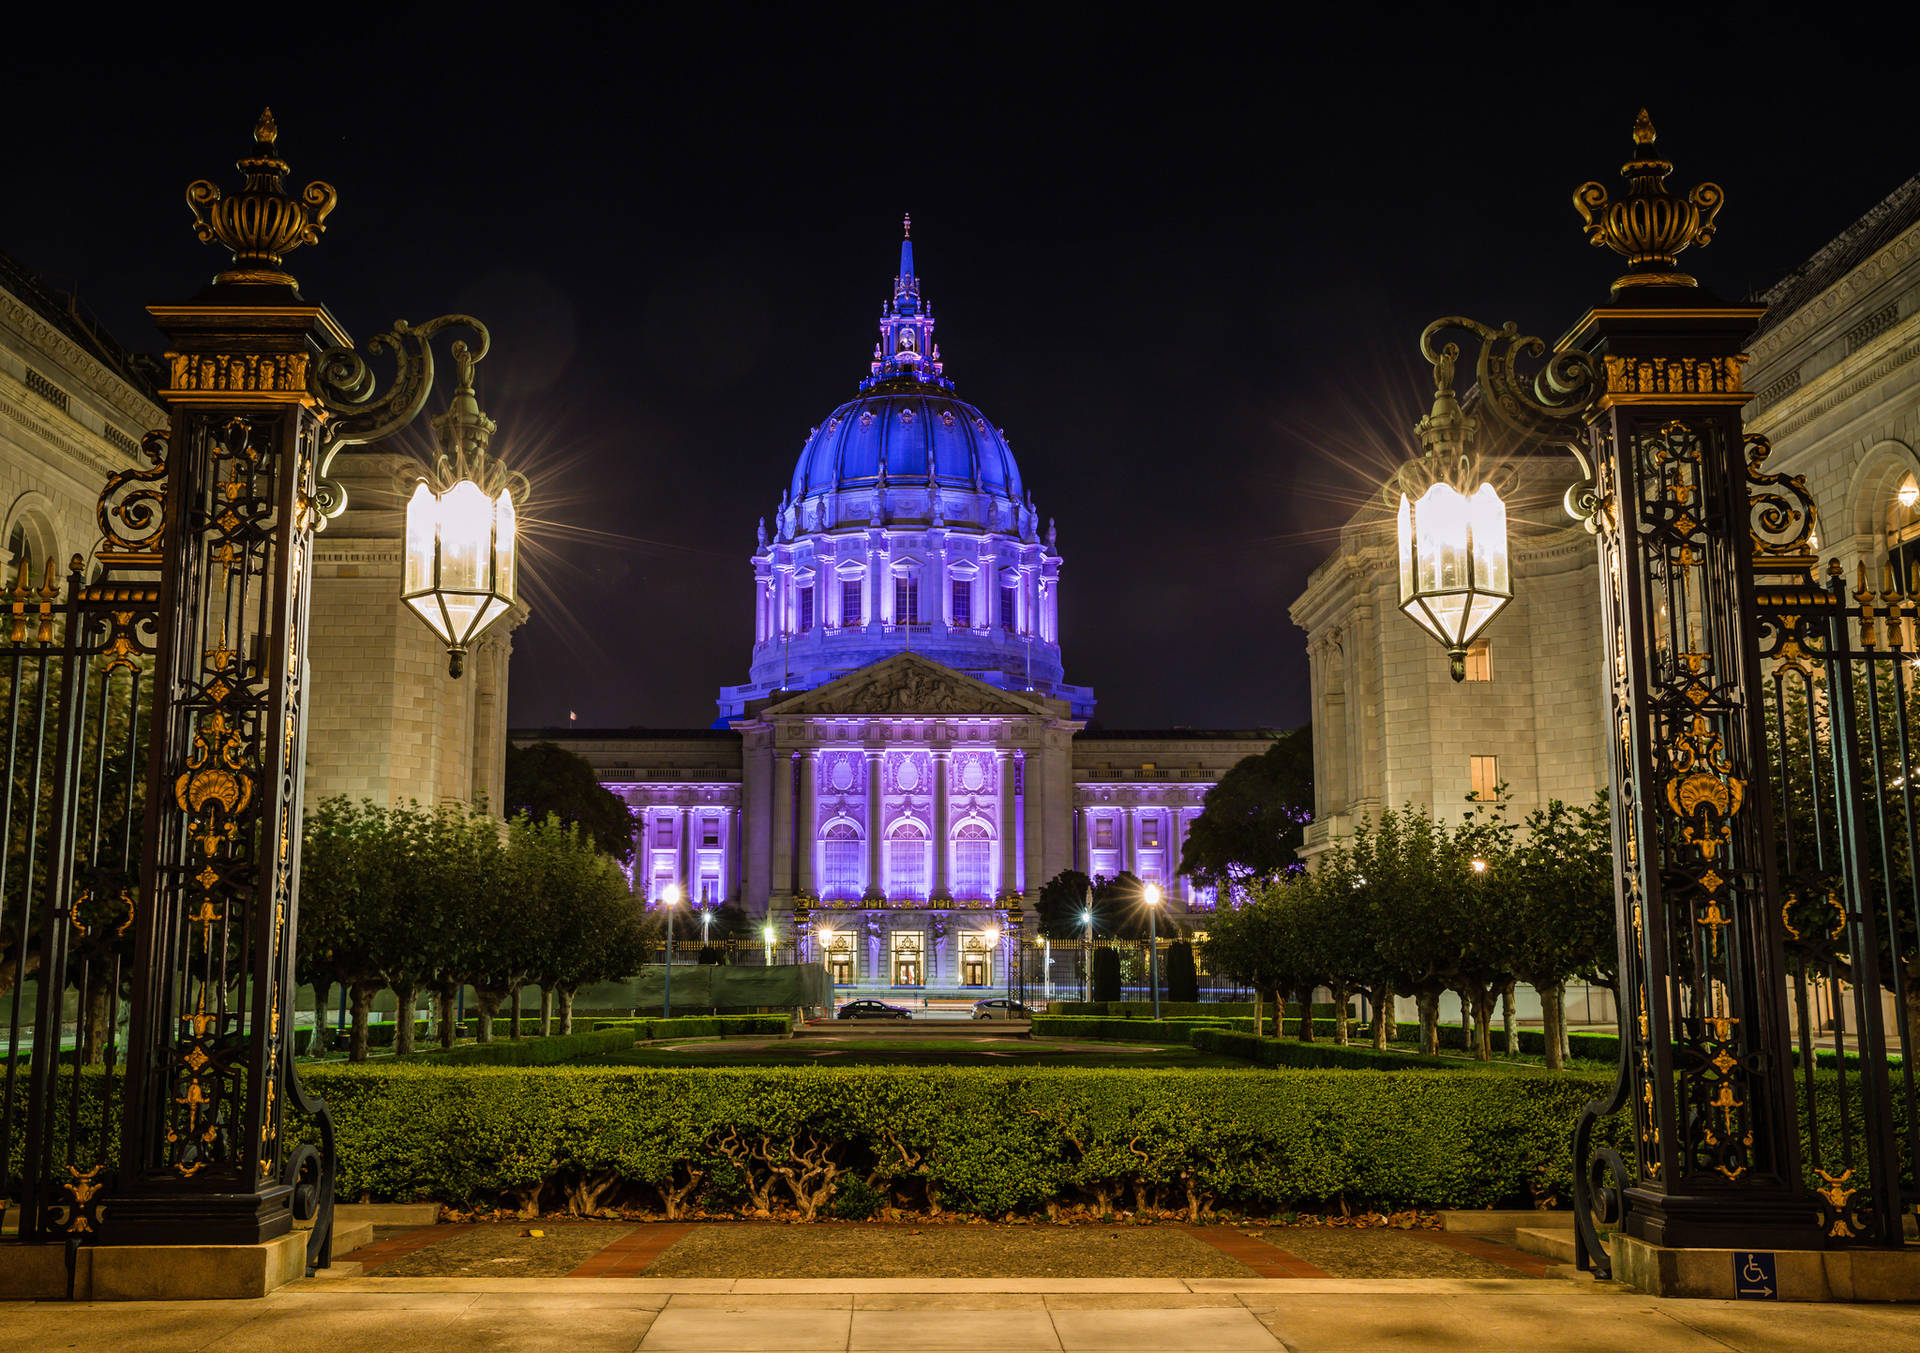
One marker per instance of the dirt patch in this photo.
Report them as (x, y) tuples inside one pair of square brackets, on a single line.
[(824, 1250), (1377, 1252), (505, 1251)]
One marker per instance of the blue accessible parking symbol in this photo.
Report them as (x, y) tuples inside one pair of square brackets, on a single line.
[(1753, 1276)]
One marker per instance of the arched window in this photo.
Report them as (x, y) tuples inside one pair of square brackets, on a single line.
[(1903, 533), (842, 862), (972, 863), (30, 544), (907, 862)]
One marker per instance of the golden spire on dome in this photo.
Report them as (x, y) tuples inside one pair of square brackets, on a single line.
[(260, 225), (1649, 227)]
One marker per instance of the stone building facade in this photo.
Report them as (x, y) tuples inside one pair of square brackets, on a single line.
[(385, 720), (907, 764)]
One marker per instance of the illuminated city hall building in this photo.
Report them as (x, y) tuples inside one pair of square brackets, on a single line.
[(907, 761)]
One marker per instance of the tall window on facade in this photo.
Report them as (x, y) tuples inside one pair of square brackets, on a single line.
[(962, 604), (806, 609), (709, 890), (1479, 661), (1483, 775), (972, 862), (1009, 609), (906, 601), (850, 601), (1150, 833), (1903, 533), (907, 862), (1103, 833), (663, 831), (841, 861), (709, 831)]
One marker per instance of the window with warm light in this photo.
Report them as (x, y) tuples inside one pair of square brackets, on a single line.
[(1479, 661), (1150, 833), (1483, 776)]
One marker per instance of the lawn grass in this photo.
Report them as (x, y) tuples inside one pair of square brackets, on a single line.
[(882, 1051)]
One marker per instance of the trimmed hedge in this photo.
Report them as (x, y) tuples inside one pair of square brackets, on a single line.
[(1290, 1052), (700, 1026), (549, 1051), (978, 1140), (378, 1036), (1126, 1030)]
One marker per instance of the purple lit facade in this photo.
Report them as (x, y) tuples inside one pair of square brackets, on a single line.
[(907, 758)]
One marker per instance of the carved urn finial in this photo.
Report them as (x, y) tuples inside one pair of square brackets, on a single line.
[(1649, 227), (260, 225)]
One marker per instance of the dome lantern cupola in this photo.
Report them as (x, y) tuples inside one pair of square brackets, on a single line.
[(906, 356)]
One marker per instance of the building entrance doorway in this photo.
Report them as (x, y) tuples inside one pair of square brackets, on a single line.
[(973, 971), (840, 969), (908, 952), (976, 958)]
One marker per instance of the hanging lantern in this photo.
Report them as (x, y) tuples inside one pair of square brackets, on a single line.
[(461, 533), (1454, 576), (1454, 573)]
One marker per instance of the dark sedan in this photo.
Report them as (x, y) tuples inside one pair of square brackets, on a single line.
[(873, 1010)]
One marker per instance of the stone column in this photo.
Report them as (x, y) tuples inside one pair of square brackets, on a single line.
[(1129, 848), (1033, 821), (782, 825), (687, 880), (942, 889), (809, 830), (1008, 870), (875, 821)]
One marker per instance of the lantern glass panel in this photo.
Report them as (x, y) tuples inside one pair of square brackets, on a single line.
[(423, 519), (505, 544)]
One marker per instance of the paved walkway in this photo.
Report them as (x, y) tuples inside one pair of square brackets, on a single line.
[(904, 1315)]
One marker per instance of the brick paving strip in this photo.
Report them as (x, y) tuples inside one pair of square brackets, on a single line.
[(631, 1254), (371, 1257), (1266, 1260), (1533, 1265)]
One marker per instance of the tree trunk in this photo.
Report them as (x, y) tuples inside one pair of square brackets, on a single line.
[(1553, 1019), (317, 1045), (403, 1004), (486, 1002), (566, 1008), (1260, 1014), (1341, 995), (93, 1039), (546, 1010), (513, 1013), (360, 997), (1383, 1020), (1483, 1002), (1560, 1018), (1429, 1003), (446, 995), (1306, 1015), (1278, 1000)]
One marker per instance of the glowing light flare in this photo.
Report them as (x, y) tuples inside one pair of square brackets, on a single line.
[(1153, 895), (1479, 866), (1909, 492)]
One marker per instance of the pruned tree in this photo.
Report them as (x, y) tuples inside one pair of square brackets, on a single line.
[(546, 780), (1253, 821)]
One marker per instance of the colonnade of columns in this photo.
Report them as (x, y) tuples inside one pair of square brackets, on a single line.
[(686, 871), (1173, 822), (1036, 591)]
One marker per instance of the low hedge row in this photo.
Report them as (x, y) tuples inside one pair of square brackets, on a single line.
[(378, 1035), (1126, 1030), (978, 1140), (701, 1026), (1291, 1052), (549, 1051)]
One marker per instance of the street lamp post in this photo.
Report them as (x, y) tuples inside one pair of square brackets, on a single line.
[(1153, 944), (1086, 965), (670, 899), (766, 933)]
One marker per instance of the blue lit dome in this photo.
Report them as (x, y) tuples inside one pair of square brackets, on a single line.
[(909, 436), (906, 527)]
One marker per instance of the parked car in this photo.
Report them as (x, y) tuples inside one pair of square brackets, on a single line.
[(999, 1007), (873, 1010)]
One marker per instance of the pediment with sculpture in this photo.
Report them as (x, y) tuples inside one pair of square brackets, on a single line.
[(909, 684)]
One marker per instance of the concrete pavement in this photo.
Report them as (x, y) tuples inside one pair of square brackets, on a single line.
[(884, 1315)]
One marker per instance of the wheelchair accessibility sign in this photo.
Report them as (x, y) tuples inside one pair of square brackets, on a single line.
[(1753, 1276)]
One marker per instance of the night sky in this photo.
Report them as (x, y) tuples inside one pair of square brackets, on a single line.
[(1184, 263)]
